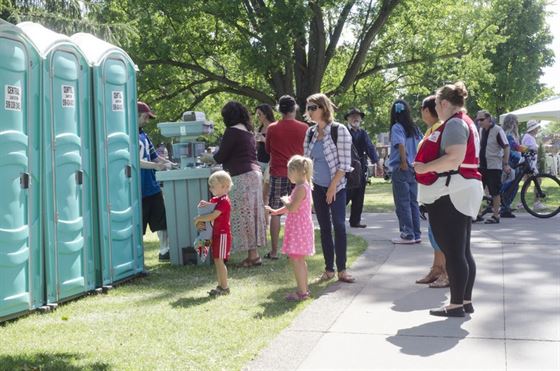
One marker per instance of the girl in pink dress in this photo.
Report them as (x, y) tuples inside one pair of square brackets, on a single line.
[(299, 238)]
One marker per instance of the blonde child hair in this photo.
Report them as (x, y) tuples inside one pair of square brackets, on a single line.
[(302, 165), (221, 177)]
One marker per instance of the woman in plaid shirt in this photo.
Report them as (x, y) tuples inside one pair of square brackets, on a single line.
[(331, 161)]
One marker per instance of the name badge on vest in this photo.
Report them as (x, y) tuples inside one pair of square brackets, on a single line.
[(434, 136)]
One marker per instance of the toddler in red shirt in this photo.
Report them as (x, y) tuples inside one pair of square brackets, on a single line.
[(220, 184)]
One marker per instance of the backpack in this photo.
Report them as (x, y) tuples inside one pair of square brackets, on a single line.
[(353, 178)]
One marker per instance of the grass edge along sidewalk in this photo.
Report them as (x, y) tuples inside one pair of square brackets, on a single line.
[(166, 320)]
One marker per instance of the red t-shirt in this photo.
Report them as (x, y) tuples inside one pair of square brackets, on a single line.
[(284, 139), (221, 224)]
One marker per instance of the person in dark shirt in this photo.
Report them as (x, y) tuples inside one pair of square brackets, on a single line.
[(153, 207), (365, 148)]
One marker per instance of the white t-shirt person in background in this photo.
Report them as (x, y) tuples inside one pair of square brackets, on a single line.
[(530, 141)]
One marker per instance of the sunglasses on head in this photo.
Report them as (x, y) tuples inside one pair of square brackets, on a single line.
[(311, 107)]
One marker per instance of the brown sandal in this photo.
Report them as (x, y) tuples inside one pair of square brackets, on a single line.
[(248, 263), (326, 276), (345, 277), (433, 275)]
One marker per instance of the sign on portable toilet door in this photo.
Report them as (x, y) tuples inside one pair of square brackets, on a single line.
[(12, 98), (117, 101), (67, 96)]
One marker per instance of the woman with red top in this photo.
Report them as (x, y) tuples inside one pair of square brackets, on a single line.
[(449, 185)]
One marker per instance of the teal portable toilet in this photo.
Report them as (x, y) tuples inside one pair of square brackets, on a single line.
[(118, 158), (21, 283), (67, 170)]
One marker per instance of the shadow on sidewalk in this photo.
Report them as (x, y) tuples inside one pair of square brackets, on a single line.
[(411, 343)]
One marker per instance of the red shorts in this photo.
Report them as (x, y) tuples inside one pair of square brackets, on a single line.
[(221, 246)]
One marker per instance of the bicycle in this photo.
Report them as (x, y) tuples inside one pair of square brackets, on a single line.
[(540, 192)]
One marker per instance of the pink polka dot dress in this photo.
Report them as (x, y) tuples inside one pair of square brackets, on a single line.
[(299, 238)]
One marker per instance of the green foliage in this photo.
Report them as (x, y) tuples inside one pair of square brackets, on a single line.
[(517, 62), (199, 54)]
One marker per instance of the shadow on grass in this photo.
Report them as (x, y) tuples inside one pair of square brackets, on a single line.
[(190, 302), (48, 361), (277, 305)]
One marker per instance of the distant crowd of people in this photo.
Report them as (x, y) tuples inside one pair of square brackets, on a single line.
[(287, 167)]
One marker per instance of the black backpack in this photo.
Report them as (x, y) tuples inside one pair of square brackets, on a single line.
[(353, 178)]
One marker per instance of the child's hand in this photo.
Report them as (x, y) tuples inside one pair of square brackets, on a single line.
[(269, 209), (203, 203), (285, 199), (200, 226)]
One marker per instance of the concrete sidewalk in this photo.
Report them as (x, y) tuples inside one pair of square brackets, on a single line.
[(382, 323)]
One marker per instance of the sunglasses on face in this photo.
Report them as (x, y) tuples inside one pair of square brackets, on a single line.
[(311, 107), (481, 119)]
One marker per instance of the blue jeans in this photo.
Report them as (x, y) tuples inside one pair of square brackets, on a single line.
[(432, 238), (334, 213), (405, 194)]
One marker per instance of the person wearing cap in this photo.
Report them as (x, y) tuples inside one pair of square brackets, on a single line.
[(153, 207), (494, 159), (365, 148), (284, 139)]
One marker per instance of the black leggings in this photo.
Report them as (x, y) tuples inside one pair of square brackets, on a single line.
[(452, 231)]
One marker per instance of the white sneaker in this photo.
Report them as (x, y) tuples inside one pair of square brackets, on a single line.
[(403, 241), (539, 206)]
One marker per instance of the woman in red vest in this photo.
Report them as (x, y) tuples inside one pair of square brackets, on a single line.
[(449, 185)]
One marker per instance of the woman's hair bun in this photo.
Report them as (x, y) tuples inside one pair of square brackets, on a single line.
[(461, 89)]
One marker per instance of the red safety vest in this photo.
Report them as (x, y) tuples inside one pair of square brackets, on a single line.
[(429, 151)]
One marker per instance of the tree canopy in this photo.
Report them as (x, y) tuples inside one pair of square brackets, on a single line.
[(197, 54)]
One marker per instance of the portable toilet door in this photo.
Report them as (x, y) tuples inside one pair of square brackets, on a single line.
[(67, 169), (21, 276), (118, 158)]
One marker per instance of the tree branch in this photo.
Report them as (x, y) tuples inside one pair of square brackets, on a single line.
[(241, 89), (333, 41), (182, 89), (385, 11)]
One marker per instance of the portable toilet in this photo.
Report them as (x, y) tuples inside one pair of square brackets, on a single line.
[(118, 158), (21, 283), (67, 169)]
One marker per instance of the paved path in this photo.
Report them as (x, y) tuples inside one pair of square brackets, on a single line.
[(382, 321)]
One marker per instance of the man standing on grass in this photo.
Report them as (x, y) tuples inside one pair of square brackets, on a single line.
[(284, 139), (153, 207), (365, 148)]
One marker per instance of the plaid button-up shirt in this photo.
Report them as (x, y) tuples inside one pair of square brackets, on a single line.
[(337, 155)]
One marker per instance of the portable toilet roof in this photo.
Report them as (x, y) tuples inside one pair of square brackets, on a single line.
[(96, 50), (42, 38)]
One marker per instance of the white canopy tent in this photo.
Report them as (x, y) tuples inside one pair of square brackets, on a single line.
[(546, 110)]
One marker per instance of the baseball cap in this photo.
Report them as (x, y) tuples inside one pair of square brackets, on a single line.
[(144, 108)]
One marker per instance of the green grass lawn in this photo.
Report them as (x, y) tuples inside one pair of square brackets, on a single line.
[(379, 197), (164, 321)]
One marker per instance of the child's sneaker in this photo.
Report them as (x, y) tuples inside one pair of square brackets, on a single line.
[(218, 291)]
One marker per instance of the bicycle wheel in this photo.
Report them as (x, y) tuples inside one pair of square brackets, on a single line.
[(540, 195)]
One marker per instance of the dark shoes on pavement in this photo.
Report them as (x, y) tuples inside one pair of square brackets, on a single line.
[(359, 225), (444, 312), (492, 220), (455, 312), (507, 214), (164, 257)]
